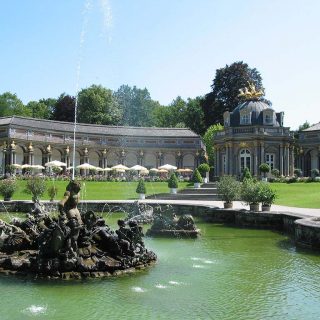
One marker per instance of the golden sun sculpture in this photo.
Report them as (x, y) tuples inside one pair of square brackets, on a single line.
[(250, 93)]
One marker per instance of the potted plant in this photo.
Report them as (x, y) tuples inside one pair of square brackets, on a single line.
[(197, 179), (314, 174), (173, 183), (250, 194), (267, 196), (36, 186), (52, 192), (141, 189), (204, 168), (264, 169), (275, 173), (246, 174), (7, 188), (229, 190)]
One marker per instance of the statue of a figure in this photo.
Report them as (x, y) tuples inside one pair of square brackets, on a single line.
[(68, 209)]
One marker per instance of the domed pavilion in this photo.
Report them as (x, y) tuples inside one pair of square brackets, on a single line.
[(253, 134)]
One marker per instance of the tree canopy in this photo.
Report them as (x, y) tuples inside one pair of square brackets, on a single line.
[(63, 109), (136, 106), (97, 105), (225, 90), (11, 105)]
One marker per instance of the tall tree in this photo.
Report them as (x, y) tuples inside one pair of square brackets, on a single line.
[(50, 103), (225, 90), (11, 105), (64, 108), (39, 110), (171, 116), (97, 105), (208, 141), (194, 116), (136, 105)]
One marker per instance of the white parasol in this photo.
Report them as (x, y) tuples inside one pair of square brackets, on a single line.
[(168, 167), (55, 163)]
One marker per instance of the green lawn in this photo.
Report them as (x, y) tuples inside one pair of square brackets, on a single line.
[(93, 190), (303, 195)]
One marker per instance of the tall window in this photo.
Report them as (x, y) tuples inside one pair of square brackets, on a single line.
[(268, 118), (270, 160), (224, 163), (245, 118), (245, 159)]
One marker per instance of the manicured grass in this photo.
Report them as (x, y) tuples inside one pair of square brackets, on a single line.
[(302, 195), (94, 190)]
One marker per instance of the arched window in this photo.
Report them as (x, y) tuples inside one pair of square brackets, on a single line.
[(245, 159), (245, 117)]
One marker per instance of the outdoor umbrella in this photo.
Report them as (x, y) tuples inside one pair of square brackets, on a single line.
[(154, 170), (86, 166), (16, 165), (107, 169), (99, 169), (25, 166), (119, 166), (70, 168), (163, 171), (37, 166), (138, 168), (55, 163), (168, 167)]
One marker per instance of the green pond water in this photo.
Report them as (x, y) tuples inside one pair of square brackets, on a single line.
[(228, 273)]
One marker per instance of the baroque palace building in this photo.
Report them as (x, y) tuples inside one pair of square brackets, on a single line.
[(308, 153), (37, 141), (253, 134)]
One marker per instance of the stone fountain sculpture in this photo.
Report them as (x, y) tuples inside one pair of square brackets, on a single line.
[(72, 245), (167, 224)]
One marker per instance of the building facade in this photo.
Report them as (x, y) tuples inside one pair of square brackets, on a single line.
[(37, 141), (308, 152), (253, 134)]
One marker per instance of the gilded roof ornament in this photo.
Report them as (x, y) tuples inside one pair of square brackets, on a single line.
[(250, 93)]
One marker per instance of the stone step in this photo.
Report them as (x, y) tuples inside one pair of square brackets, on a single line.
[(209, 185), (178, 196), (199, 191)]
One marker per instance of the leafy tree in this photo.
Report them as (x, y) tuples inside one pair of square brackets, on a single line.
[(172, 116), (11, 105), (208, 141), (39, 110), (304, 126), (225, 89), (64, 108), (136, 105), (97, 105), (50, 103), (194, 116)]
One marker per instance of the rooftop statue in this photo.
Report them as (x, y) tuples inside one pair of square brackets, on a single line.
[(250, 93)]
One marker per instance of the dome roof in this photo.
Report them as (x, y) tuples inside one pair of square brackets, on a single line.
[(255, 108)]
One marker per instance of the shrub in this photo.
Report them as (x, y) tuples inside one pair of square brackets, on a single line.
[(173, 181), (267, 195), (250, 191), (36, 187), (52, 192), (275, 172), (8, 187), (203, 169), (297, 172), (141, 188), (197, 177), (314, 173), (264, 168), (246, 174), (228, 188)]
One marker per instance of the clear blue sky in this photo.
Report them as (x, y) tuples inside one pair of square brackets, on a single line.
[(171, 47)]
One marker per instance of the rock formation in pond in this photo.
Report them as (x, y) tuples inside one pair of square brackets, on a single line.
[(73, 245), (166, 223)]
